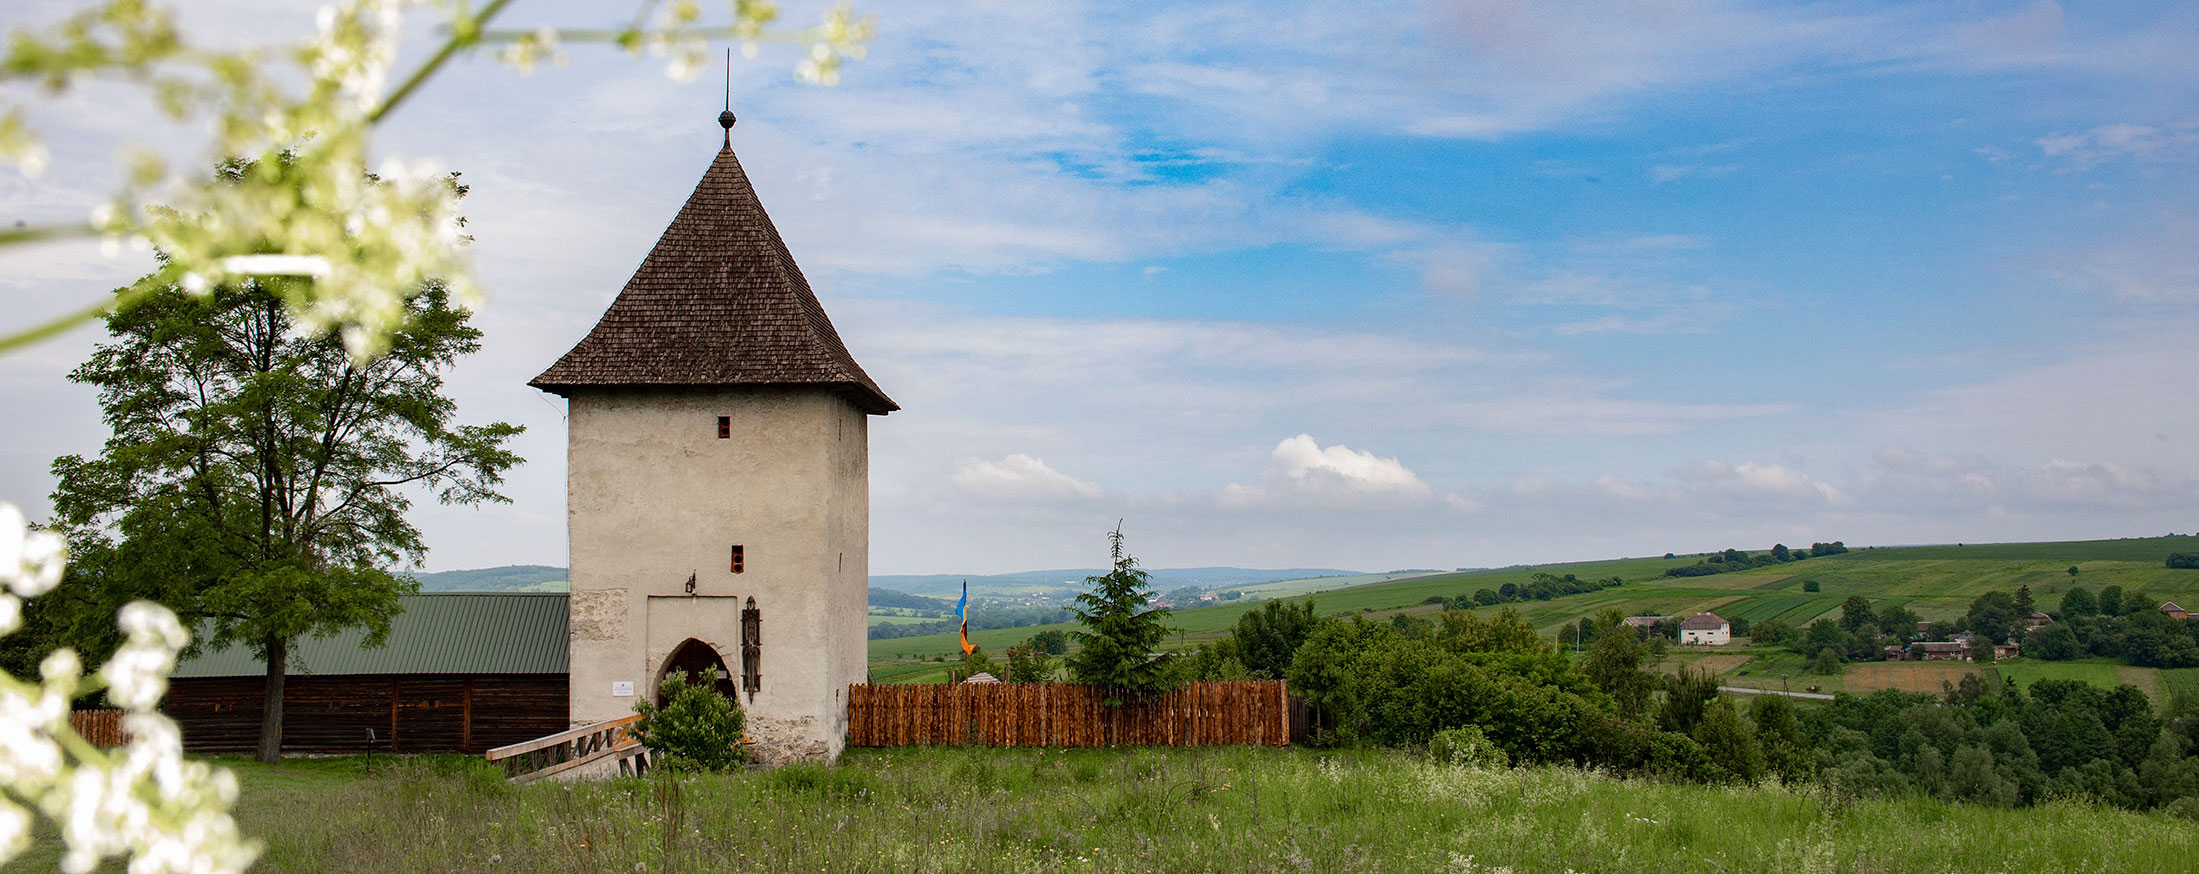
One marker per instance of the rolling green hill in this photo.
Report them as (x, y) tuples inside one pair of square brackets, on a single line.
[(510, 578), (1938, 582)]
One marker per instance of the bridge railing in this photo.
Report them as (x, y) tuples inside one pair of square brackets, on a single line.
[(574, 748)]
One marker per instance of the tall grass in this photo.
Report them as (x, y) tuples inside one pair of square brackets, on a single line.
[(946, 809)]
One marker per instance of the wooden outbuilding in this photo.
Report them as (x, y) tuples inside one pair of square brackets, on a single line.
[(462, 673)]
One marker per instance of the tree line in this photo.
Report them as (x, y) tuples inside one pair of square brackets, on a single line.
[(1732, 560), (1464, 679)]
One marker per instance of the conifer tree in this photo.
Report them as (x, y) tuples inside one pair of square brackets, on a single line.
[(1119, 648)]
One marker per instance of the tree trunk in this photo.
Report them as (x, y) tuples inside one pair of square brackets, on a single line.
[(271, 709)]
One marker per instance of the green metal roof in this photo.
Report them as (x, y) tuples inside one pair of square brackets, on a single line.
[(473, 633)]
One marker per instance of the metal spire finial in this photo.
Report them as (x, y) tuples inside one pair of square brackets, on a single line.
[(725, 119)]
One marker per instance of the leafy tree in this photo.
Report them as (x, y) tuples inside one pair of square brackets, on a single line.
[(1688, 694), (1268, 638), (1823, 634), (696, 729), (1729, 742), (1974, 779), (1786, 750), (2111, 601), (1027, 663), (1772, 631), (1508, 592), (1992, 616), (1811, 586), (1779, 552), (1487, 597), (2184, 560), (1052, 642), (2078, 601), (1898, 621), (1118, 651), (2024, 605), (2072, 572), (1827, 663), (1856, 613), (1619, 665), (1504, 632), (256, 478), (2053, 642), (1412, 626)]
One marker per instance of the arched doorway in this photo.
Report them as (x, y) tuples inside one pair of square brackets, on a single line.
[(692, 657)]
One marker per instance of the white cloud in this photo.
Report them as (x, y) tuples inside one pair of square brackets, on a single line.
[(1018, 477), (1302, 470), (1663, 173), (2157, 263), (2111, 142), (1750, 479)]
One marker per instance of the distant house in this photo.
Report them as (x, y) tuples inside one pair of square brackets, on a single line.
[(2005, 651), (1643, 625), (981, 678), (2174, 612), (2036, 619), (1938, 651), (1923, 630), (1895, 653), (1706, 629)]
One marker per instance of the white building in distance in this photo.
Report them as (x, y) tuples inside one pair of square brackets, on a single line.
[(1706, 629)]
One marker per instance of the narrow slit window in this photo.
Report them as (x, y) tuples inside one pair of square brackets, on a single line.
[(725, 427), (739, 560)]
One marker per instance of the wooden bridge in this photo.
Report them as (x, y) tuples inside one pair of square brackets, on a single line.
[(550, 755)]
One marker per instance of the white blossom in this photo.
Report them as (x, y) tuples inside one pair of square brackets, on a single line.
[(144, 800), (30, 561)]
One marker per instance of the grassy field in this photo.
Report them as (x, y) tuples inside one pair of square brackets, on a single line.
[(2143, 550), (1930, 678), (1217, 809), (887, 619), (2181, 681)]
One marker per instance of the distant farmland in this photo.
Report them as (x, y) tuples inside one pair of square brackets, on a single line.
[(1937, 582)]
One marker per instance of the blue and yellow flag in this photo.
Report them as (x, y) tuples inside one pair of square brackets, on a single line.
[(962, 612)]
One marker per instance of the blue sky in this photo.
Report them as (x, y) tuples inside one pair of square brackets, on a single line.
[(1426, 284)]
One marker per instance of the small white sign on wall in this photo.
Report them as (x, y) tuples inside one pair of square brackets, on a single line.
[(622, 688)]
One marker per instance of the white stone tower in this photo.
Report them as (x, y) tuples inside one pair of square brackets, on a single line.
[(718, 480)]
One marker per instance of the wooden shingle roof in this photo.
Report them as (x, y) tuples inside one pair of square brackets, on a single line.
[(718, 302)]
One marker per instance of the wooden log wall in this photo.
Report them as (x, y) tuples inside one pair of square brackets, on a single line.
[(1066, 715), (408, 713)]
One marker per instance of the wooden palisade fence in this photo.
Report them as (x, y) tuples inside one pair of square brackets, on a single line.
[(1253, 712), (102, 727)]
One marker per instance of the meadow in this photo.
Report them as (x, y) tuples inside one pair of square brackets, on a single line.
[(948, 809)]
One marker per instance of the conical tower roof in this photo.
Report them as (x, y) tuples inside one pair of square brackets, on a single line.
[(718, 302)]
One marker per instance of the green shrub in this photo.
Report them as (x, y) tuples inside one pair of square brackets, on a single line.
[(696, 729), (2184, 560), (1467, 746)]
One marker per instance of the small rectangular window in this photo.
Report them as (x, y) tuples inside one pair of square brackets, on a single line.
[(737, 559), (725, 427)]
